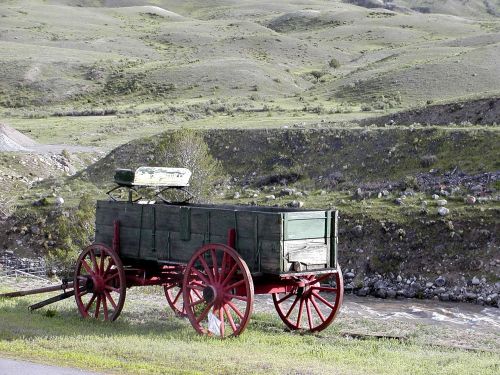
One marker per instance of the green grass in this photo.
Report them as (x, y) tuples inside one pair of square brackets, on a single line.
[(148, 339)]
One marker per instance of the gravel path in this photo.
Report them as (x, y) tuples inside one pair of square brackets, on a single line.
[(10, 367)]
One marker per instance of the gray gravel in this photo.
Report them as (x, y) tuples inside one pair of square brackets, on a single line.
[(10, 367)]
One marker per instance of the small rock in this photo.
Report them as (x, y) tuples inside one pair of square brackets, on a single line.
[(470, 296), (381, 293), (363, 292), (476, 188), (380, 284), (322, 192), (398, 201), (441, 202), (391, 293), (444, 297), (440, 282), (358, 231), (475, 281), (429, 284), (443, 211), (470, 199), (435, 196), (271, 197), (287, 191), (399, 279), (35, 229), (59, 201), (349, 275), (296, 204), (237, 195)]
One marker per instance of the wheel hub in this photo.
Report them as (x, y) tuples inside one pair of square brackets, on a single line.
[(209, 294), (98, 284)]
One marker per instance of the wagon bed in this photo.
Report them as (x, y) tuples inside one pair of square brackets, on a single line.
[(271, 240)]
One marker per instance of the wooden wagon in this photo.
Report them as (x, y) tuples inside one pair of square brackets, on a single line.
[(211, 261)]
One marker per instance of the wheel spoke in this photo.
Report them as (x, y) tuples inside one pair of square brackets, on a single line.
[(97, 306), (230, 318), (299, 314), (214, 264), (319, 279), (108, 267), (324, 288), (235, 296), (204, 313), (196, 287), (179, 293), (221, 318), (197, 294), (110, 298), (101, 263), (207, 269), (222, 267), (291, 307), (87, 306), (316, 307), (235, 285), (323, 300), (197, 302), (285, 297), (105, 308), (94, 261), (87, 267), (235, 309), (112, 289), (230, 274), (309, 316), (201, 276), (106, 280)]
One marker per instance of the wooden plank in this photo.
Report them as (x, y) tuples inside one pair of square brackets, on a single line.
[(129, 239), (185, 223), (125, 212), (167, 217), (312, 251), (270, 256)]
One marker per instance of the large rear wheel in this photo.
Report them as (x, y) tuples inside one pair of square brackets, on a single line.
[(221, 277)]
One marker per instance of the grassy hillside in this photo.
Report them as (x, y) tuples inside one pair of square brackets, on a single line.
[(98, 70)]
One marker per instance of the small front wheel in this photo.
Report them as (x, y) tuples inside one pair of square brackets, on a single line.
[(311, 306), (221, 277), (99, 282)]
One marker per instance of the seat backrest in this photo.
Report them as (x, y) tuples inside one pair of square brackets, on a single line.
[(162, 177)]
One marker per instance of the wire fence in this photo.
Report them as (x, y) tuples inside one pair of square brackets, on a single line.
[(22, 272)]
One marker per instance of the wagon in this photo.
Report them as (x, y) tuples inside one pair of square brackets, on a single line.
[(211, 260)]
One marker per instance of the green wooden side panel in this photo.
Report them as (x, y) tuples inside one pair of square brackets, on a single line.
[(269, 240)]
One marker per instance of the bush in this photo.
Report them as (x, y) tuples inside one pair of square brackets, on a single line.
[(73, 231), (186, 148), (334, 63)]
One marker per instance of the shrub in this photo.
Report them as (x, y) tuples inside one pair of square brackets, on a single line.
[(186, 148), (334, 63)]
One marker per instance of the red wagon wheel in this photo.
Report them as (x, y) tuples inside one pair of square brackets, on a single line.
[(100, 283), (311, 306), (223, 280)]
